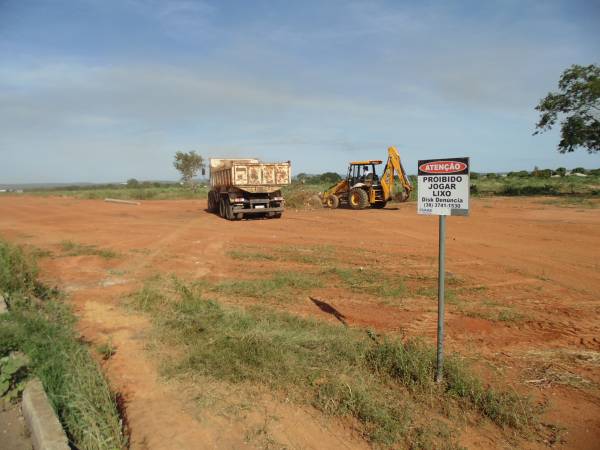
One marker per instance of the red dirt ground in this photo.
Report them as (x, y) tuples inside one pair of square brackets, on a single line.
[(538, 261)]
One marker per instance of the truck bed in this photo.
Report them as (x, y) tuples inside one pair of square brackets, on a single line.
[(249, 174)]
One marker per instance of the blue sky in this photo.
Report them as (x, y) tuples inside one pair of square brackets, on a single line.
[(103, 90)]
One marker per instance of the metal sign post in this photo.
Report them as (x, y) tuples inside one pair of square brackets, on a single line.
[(441, 285), (443, 189)]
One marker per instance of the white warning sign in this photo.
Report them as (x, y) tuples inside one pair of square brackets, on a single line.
[(443, 187)]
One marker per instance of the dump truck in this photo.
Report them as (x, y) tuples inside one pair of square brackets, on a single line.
[(363, 188), (247, 187)]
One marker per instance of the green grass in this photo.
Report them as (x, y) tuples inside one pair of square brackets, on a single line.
[(489, 310), (251, 255), (385, 384), (370, 281), (569, 187), (315, 255), (164, 192), (300, 196), (40, 325), (279, 285), (71, 248), (356, 279), (573, 202), (510, 315)]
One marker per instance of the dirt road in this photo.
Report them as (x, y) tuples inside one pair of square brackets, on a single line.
[(526, 277)]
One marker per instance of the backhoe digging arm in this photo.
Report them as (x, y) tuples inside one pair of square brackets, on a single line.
[(392, 167)]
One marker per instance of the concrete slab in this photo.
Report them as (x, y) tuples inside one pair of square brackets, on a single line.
[(13, 433), (44, 427)]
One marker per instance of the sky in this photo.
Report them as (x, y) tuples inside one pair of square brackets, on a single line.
[(107, 90)]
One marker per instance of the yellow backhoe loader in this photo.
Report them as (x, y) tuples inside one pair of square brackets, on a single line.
[(362, 187)]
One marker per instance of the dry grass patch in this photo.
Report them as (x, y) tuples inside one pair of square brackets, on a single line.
[(70, 248)]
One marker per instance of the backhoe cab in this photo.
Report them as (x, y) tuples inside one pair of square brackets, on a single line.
[(362, 187)]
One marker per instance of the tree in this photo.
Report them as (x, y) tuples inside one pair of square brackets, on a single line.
[(330, 177), (188, 164), (578, 102), (133, 183)]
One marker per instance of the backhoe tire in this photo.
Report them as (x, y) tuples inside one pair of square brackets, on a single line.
[(358, 198), (333, 201), (379, 205)]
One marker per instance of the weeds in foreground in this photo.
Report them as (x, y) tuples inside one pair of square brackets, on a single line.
[(41, 326), (385, 384), (71, 248)]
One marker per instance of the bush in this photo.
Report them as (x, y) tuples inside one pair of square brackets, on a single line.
[(328, 178), (523, 174), (514, 190), (579, 170), (542, 173), (560, 171), (18, 272)]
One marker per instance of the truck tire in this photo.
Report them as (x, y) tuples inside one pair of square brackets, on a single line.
[(358, 198), (222, 208), (227, 209), (333, 201), (213, 205)]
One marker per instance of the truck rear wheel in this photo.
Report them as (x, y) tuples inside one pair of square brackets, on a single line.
[(225, 209), (213, 206), (358, 198), (221, 208)]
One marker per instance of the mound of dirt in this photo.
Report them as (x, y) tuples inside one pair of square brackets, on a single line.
[(314, 202)]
